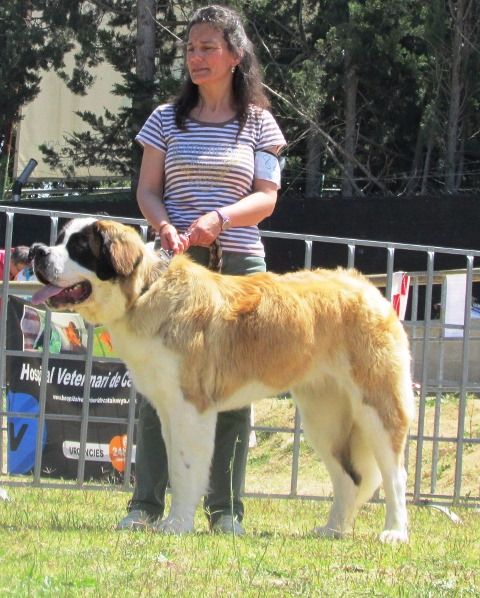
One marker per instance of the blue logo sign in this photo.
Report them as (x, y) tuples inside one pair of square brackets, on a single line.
[(22, 432)]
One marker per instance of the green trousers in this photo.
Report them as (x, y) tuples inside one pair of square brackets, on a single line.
[(227, 473)]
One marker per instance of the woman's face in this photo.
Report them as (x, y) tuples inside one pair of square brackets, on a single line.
[(208, 58)]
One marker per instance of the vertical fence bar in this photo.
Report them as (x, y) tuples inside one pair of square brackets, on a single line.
[(414, 322), (85, 408), (463, 392), (390, 263), (3, 328), (144, 232), (423, 390), (295, 454), (4, 303), (42, 397), (438, 394), (413, 349), (351, 256), (297, 426), (308, 254), (132, 401)]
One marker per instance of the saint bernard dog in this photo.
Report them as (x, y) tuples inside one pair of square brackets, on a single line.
[(197, 342)]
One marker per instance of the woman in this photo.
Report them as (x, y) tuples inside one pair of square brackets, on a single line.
[(209, 175)]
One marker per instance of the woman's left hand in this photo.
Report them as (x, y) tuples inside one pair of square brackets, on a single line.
[(204, 230)]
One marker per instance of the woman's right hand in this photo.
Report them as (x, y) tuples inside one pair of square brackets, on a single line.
[(172, 241)]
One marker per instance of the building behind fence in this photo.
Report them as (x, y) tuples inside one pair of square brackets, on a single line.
[(94, 424)]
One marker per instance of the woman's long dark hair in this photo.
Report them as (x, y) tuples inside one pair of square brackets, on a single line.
[(247, 78)]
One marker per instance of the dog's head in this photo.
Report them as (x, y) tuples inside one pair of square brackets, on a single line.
[(94, 269)]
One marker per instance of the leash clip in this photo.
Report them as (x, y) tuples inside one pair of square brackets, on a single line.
[(165, 254)]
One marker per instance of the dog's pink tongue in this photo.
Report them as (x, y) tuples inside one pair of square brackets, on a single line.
[(45, 293)]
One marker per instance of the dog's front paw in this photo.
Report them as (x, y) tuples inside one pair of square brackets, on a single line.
[(394, 536), (327, 532), (174, 526)]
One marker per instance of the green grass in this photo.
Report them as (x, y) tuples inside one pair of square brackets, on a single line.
[(63, 543)]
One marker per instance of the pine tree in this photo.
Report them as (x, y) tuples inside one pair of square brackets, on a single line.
[(141, 40)]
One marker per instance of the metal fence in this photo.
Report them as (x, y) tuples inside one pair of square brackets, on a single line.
[(443, 450)]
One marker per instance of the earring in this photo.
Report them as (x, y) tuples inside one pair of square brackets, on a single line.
[(233, 69)]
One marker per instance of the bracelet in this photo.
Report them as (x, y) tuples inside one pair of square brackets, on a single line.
[(162, 227), (224, 220)]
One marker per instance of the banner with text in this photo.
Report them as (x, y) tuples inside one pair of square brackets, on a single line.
[(110, 384)]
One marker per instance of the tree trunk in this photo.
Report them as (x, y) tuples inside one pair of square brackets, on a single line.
[(145, 42), (313, 187), (351, 84), (456, 85), (5, 153), (412, 183), (145, 70), (426, 165)]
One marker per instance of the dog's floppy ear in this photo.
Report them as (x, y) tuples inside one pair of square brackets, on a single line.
[(119, 249)]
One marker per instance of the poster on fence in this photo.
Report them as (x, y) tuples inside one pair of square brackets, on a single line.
[(109, 397)]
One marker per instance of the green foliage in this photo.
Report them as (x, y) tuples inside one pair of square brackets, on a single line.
[(34, 36), (400, 53), (110, 141)]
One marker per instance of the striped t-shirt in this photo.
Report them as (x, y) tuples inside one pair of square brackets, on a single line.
[(207, 168)]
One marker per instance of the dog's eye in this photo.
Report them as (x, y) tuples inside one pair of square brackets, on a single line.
[(77, 243), (79, 249)]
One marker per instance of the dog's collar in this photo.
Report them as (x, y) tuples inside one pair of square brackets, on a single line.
[(165, 256)]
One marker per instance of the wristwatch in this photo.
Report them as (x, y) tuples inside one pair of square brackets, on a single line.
[(224, 220)]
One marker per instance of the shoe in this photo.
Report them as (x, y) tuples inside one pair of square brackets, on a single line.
[(226, 524), (137, 520)]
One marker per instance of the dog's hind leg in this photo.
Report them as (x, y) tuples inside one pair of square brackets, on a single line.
[(394, 476), (189, 439), (340, 518), (328, 425), (365, 463)]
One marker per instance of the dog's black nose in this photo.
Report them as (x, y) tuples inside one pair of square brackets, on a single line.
[(37, 250)]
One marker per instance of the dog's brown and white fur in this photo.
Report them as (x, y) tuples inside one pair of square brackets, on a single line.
[(197, 342)]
